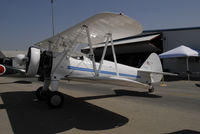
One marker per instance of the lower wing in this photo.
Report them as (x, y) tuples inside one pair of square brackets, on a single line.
[(16, 70), (111, 81)]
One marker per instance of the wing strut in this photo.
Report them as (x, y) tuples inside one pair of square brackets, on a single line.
[(91, 50), (114, 56), (104, 53), (109, 38)]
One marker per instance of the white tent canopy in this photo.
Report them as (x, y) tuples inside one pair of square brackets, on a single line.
[(181, 51)]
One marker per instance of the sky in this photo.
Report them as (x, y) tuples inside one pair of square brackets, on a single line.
[(25, 22)]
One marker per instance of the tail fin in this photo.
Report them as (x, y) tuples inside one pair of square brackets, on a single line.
[(152, 65)]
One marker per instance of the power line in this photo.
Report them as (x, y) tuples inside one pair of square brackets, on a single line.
[(52, 17)]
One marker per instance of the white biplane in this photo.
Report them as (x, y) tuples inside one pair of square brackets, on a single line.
[(52, 59)]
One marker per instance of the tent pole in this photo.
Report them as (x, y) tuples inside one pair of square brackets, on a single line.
[(188, 74)]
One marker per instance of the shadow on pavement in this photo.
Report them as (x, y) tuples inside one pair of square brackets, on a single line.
[(198, 85), (185, 132), (18, 82), (122, 93), (29, 116)]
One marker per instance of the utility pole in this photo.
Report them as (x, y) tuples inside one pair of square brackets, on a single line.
[(52, 17)]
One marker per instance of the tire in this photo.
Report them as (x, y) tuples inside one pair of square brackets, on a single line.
[(55, 99), (42, 95), (151, 89)]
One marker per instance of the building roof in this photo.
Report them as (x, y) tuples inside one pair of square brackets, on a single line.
[(172, 29), (158, 31), (131, 40), (12, 53), (1, 55)]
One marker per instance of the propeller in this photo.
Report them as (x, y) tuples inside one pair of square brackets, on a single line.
[(31, 61)]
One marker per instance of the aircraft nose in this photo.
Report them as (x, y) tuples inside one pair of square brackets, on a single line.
[(20, 59)]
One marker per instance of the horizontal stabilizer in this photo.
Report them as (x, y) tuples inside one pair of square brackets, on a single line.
[(154, 72)]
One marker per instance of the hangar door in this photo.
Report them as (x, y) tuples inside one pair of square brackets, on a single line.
[(133, 51)]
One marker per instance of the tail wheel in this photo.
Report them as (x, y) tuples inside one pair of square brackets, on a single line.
[(41, 94), (151, 89), (55, 99)]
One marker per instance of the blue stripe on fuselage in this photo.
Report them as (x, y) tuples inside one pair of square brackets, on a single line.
[(102, 72)]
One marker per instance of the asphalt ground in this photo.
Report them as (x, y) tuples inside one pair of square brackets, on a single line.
[(91, 108)]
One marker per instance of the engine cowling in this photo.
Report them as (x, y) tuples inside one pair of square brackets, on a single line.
[(2, 69), (33, 62), (39, 63)]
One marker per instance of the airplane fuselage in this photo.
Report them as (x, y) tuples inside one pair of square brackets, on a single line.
[(84, 68)]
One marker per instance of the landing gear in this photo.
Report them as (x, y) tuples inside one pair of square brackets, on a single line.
[(55, 99), (41, 94), (151, 89)]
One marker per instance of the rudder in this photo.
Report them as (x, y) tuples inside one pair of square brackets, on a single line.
[(153, 64)]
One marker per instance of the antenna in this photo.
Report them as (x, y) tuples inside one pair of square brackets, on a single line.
[(52, 17)]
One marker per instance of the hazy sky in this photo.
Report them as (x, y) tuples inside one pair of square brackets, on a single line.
[(25, 22)]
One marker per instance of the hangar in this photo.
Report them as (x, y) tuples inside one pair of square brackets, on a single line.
[(134, 50)]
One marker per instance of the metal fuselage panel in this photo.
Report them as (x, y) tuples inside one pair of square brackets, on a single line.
[(85, 68)]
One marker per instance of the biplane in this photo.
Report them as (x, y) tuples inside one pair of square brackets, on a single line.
[(2, 69), (52, 59)]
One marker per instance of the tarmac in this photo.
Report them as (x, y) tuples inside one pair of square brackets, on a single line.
[(91, 108)]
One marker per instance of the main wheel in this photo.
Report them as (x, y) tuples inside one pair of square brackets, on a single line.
[(55, 99), (42, 95)]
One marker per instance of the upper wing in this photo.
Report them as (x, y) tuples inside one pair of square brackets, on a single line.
[(111, 81), (99, 25)]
